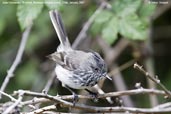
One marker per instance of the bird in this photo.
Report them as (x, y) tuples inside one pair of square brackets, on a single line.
[(75, 69)]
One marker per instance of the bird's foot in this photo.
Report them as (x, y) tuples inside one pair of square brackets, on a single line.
[(94, 95), (75, 98)]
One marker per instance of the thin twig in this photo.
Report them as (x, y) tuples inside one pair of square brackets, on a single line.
[(114, 71), (49, 82), (44, 109), (100, 91), (112, 53), (161, 10), (10, 72), (161, 106), (122, 67), (153, 78), (7, 95), (35, 101), (149, 65), (9, 109), (87, 25)]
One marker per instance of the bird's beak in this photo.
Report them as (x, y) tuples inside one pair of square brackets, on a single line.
[(49, 56), (108, 77), (54, 56)]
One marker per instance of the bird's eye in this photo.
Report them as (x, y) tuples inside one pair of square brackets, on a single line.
[(96, 69)]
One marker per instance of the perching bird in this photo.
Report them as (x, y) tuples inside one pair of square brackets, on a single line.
[(75, 68)]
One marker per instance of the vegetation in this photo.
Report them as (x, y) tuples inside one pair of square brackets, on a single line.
[(122, 31)]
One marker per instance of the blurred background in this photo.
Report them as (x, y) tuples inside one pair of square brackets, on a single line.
[(122, 31)]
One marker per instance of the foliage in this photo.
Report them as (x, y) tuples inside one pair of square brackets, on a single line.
[(26, 13), (128, 18)]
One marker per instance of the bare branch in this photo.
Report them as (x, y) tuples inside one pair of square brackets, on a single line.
[(100, 91), (102, 109), (87, 25), (7, 95), (108, 109), (111, 94), (35, 101), (9, 109), (161, 10), (44, 109), (49, 82), (111, 54), (10, 72), (105, 95), (153, 78), (165, 105)]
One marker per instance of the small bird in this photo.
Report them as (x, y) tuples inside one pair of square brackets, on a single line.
[(76, 69)]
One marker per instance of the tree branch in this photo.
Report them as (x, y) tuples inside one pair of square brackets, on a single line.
[(10, 72), (87, 25), (44, 109), (7, 95), (58, 99), (9, 109), (153, 78)]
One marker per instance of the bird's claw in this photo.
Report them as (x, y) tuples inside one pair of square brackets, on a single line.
[(75, 98), (94, 96)]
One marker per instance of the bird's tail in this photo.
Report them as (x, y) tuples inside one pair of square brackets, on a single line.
[(59, 28)]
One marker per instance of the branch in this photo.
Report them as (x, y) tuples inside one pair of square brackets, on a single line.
[(111, 94), (100, 91), (9, 109), (160, 11), (106, 109), (87, 25), (165, 105), (41, 110), (7, 95), (49, 82), (154, 79), (10, 72), (112, 53), (64, 103), (106, 95), (35, 101)]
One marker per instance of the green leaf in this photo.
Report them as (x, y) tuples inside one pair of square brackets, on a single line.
[(51, 4), (103, 16), (96, 28), (146, 10), (99, 21), (125, 7), (133, 28), (124, 20), (109, 33), (40, 32), (27, 13)]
